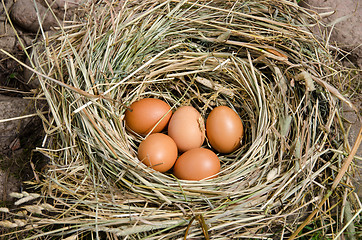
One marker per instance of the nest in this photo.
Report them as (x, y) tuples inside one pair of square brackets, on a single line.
[(257, 57)]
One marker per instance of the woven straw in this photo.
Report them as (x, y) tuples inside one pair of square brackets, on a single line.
[(257, 57)]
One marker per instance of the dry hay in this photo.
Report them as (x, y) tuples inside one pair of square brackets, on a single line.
[(257, 57)]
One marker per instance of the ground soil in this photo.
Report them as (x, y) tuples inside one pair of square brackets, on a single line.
[(18, 27), (343, 19)]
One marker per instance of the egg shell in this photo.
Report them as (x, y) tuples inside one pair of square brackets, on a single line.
[(224, 129), (197, 164), (144, 114), (187, 128), (158, 151)]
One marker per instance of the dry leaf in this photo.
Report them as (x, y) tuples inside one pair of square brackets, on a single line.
[(4, 209), (276, 53), (16, 195), (34, 209), (223, 37), (8, 224), (20, 222), (32, 196), (215, 86), (281, 80), (272, 174), (334, 92), (308, 81), (21, 213), (47, 207)]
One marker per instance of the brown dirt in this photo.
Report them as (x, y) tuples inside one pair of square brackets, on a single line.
[(343, 19)]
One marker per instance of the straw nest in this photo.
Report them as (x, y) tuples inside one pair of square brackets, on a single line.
[(256, 57)]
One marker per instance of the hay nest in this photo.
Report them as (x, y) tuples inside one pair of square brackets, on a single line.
[(256, 57)]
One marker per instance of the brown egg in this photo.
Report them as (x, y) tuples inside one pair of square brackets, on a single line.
[(158, 151), (224, 129), (187, 128), (197, 164), (144, 114)]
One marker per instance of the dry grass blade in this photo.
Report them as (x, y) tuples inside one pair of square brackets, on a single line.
[(256, 57), (336, 181)]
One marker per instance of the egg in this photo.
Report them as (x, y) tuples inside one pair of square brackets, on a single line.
[(158, 151), (187, 128), (197, 164), (144, 114), (224, 129)]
